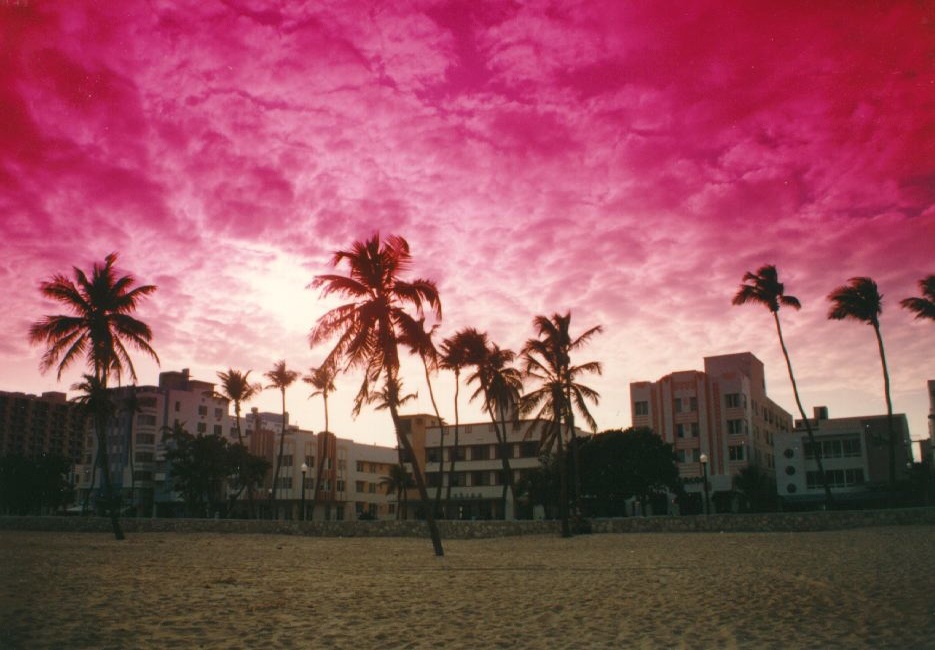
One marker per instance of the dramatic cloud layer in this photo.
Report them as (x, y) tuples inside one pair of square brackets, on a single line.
[(628, 162)]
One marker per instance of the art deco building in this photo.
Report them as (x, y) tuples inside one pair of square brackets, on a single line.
[(722, 414), (31, 425)]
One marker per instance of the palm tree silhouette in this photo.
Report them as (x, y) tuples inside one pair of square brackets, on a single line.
[(457, 352), (923, 307), (99, 329), (764, 288), (236, 387), (368, 329), (399, 480), (322, 380), (547, 360), (860, 300), (280, 378), (499, 386)]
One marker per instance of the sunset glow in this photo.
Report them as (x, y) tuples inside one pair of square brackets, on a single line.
[(625, 161)]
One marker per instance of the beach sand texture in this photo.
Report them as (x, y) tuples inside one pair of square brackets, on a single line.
[(866, 588)]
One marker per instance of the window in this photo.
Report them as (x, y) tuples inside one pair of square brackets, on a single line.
[(287, 460), (851, 447), (360, 486), (693, 405), (146, 438), (202, 427), (360, 467), (432, 455), (677, 404), (735, 427), (458, 479), (145, 420), (735, 452), (680, 430), (696, 430), (340, 485), (457, 453), (143, 457), (178, 405), (641, 408), (733, 400), (202, 410), (218, 429), (218, 413), (836, 478), (696, 455), (680, 455), (529, 449), (480, 478)]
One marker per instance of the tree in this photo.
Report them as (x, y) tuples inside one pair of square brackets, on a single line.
[(457, 352), (99, 329), (542, 486), (236, 387), (34, 484), (764, 288), (757, 488), (281, 378), (368, 328), (860, 300), (130, 406), (500, 386), (398, 481), (322, 380), (923, 307), (547, 360)]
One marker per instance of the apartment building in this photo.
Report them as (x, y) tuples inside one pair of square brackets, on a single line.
[(478, 481), (854, 453), (31, 425), (721, 415)]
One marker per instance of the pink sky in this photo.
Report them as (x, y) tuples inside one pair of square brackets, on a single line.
[(627, 161)]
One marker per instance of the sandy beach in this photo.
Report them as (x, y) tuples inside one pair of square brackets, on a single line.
[(866, 588)]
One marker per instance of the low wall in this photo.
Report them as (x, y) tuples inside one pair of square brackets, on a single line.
[(769, 522)]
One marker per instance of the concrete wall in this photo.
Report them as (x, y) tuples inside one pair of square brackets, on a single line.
[(773, 522)]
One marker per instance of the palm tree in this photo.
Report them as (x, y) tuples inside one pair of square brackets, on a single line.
[(860, 300), (99, 329), (369, 327), (280, 378), (399, 480), (764, 288), (547, 360), (236, 387), (130, 406), (457, 351), (322, 380), (94, 402), (421, 343), (924, 307), (500, 386)]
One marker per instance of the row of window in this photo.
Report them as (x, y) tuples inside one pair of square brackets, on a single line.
[(482, 452), (843, 448), (734, 452), (836, 478)]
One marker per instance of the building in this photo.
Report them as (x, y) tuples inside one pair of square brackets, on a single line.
[(854, 453), (721, 415), (32, 425), (477, 483)]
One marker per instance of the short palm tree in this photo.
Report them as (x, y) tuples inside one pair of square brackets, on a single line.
[(764, 288), (924, 307), (322, 380), (280, 379), (547, 361), (499, 386), (398, 481), (236, 387), (369, 327), (99, 329), (860, 300)]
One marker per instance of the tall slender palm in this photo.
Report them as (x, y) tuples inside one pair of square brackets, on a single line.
[(322, 380), (420, 341), (369, 327), (500, 386), (130, 406), (547, 360), (280, 378), (764, 288), (94, 402), (236, 387), (860, 300), (457, 351), (924, 307), (99, 329)]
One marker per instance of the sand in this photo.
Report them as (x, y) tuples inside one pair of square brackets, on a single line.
[(867, 588)]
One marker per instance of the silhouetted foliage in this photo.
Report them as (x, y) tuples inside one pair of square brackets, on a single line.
[(756, 489), (34, 485), (617, 465), (924, 307)]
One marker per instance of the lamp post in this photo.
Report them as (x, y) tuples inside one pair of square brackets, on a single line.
[(704, 472), (304, 470)]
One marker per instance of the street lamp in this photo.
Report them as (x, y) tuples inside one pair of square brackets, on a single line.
[(304, 470), (704, 471)]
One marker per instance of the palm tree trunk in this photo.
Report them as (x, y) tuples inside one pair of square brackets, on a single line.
[(420, 480), (441, 440), (573, 436), (816, 448), (508, 488), (454, 447), (282, 444), (889, 405), (112, 505), (322, 453), (563, 481)]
